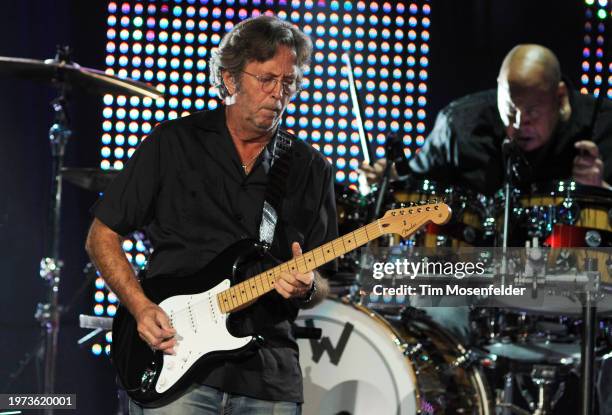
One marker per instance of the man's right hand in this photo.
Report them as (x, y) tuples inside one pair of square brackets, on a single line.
[(154, 328), (375, 172)]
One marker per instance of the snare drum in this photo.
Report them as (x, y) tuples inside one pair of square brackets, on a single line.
[(472, 222), (363, 364)]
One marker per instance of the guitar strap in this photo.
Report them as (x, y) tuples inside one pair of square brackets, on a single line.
[(277, 187)]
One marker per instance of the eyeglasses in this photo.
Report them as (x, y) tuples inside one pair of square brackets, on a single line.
[(268, 84)]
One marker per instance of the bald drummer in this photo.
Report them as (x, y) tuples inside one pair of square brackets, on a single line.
[(532, 105)]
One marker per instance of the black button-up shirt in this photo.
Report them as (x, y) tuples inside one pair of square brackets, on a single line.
[(464, 147), (185, 186)]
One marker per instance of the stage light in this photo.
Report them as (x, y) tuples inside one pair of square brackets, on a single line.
[(96, 349)]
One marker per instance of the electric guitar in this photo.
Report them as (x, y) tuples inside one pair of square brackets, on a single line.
[(199, 306)]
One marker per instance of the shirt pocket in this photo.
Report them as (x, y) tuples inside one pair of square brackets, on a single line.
[(200, 194)]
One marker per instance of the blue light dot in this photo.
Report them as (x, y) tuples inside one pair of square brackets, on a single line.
[(96, 349), (99, 296)]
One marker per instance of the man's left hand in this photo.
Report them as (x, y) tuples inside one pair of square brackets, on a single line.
[(294, 284), (588, 166)]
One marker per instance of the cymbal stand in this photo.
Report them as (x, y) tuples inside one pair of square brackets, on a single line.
[(509, 172), (587, 350), (48, 314)]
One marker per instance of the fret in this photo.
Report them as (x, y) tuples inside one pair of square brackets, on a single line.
[(233, 299), (247, 288), (338, 246), (236, 291), (304, 268), (310, 260), (293, 266), (243, 292), (223, 303), (269, 274), (259, 284), (367, 235), (349, 241), (328, 250), (361, 237), (253, 285), (321, 254)]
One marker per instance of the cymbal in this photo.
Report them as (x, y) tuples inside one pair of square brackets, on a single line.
[(93, 179), (92, 80)]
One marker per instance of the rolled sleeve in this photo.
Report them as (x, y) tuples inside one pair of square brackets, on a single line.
[(129, 201)]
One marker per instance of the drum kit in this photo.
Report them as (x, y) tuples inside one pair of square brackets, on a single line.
[(529, 356)]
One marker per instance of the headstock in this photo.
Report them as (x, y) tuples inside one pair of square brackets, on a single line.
[(407, 220)]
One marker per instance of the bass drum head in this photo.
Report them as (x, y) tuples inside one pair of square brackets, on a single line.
[(360, 367)]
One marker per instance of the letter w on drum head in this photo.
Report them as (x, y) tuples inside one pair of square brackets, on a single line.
[(320, 346)]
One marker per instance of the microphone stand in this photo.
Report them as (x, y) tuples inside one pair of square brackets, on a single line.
[(394, 153), (589, 329), (508, 175)]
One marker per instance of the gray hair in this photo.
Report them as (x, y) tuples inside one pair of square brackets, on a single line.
[(256, 39)]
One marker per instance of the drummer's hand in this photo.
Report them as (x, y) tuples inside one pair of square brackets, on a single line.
[(588, 166), (375, 172)]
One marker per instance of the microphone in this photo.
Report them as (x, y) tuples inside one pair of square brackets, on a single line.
[(512, 150), (395, 154), (515, 161)]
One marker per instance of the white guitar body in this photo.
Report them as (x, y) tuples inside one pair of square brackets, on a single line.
[(200, 329)]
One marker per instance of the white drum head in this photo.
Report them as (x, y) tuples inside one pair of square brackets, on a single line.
[(357, 367)]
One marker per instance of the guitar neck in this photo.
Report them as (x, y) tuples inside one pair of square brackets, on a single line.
[(410, 220), (254, 287)]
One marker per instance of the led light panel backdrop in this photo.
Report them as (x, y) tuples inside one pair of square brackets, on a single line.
[(168, 44), (596, 65)]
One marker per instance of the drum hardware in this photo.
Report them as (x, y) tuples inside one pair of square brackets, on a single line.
[(512, 157), (63, 74), (395, 153), (570, 211), (465, 360), (411, 350), (587, 352), (585, 287), (93, 179), (543, 377), (593, 238)]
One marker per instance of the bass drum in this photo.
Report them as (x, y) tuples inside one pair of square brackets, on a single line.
[(364, 365)]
